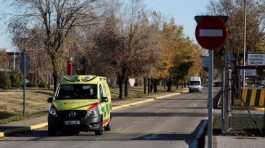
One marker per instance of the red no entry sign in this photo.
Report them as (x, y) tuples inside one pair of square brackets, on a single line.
[(211, 31)]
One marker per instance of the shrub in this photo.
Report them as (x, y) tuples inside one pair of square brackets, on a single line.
[(15, 79), (5, 82), (42, 84)]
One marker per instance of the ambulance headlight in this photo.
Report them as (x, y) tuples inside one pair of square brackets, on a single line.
[(52, 111), (93, 113)]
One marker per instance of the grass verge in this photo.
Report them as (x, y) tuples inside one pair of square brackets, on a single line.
[(18, 117), (242, 125), (36, 101)]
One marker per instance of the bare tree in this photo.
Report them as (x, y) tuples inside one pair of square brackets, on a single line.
[(57, 18), (3, 59)]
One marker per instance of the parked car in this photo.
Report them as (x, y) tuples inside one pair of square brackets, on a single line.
[(195, 84)]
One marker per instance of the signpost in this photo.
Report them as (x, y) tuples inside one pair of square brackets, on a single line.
[(24, 68), (211, 33)]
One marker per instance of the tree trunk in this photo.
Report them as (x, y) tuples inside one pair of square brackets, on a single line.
[(149, 85), (164, 83), (120, 86), (152, 85), (55, 81), (55, 72), (126, 86), (123, 79), (155, 85), (177, 84), (145, 84), (169, 85)]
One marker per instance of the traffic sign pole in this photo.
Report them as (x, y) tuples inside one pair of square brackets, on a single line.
[(211, 33), (210, 99), (24, 82)]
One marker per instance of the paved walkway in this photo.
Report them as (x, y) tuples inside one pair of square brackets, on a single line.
[(238, 142)]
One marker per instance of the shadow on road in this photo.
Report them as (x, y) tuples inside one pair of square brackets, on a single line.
[(182, 99), (173, 136), (180, 108), (10, 129), (160, 114), (42, 135), (5, 115)]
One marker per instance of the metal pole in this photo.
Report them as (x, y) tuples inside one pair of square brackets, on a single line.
[(229, 99), (223, 101), (24, 82), (245, 43), (14, 61), (210, 100), (224, 108)]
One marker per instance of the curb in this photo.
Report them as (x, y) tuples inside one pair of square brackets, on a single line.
[(2, 135), (144, 101), (38, 126), (259, 109), (23, 129), (45, 124)]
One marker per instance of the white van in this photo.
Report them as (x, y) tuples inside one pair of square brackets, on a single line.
[(195, 84)]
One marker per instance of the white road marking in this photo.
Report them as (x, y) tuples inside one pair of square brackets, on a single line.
[(211, 33)]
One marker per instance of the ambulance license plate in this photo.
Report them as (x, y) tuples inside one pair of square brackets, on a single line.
[(72, 122)]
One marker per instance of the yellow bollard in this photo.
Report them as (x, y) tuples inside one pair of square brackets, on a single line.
[(253, 97), (262, 98), (244, 96)]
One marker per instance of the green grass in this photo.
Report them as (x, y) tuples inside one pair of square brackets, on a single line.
[(138, 92), (36, 102), (19, 116)]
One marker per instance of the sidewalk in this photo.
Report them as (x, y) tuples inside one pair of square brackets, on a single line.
[(238, 142), (41, 122)]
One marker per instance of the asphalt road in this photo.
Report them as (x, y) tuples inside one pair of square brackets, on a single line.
[(164, 123)]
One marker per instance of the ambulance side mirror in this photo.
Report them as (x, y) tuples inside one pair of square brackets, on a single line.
[(104, 99)]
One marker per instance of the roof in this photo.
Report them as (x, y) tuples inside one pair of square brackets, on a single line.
[(81, 79)]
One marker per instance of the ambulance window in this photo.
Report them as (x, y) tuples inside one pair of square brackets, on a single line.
[(102, 92), (77, 91), (105, 90)]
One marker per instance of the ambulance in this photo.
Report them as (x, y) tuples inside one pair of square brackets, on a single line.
[(80, 103)]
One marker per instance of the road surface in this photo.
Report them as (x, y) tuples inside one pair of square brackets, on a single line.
[(165, 123)]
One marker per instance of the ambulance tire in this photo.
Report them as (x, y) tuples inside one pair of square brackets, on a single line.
[(73, 132), (108, 126), (99, 131), (51, 130)]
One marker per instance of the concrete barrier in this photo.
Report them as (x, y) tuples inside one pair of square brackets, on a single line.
[(253, 97)]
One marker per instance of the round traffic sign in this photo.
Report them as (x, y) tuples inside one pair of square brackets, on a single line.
[(211, 32)]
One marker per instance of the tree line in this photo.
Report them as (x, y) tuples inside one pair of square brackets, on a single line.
[(255, 35), (255, 14), (116, 39)]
